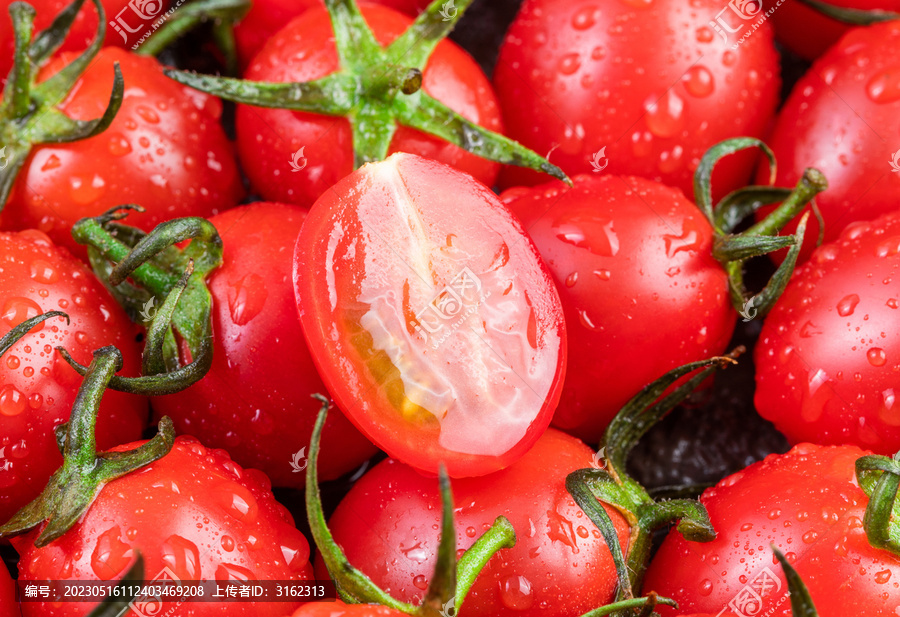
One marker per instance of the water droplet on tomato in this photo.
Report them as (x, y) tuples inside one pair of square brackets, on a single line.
[(810, 536), (239, 503), (808, 330), (182, 557), (729, 58), (603, 275), (471, 532), (691, 239), (585, 17), (847, 305), (111, 556), (147, 114), (585, 320), (516, 593), (231, 573), (817, 396), (420, 582), (12, 402), (885, 87), (43, 272), (52, 162), (698, 81), (227, 543), (246, 298), (118, 145), (665, 115), (18, 309), (706, 587), (415, 553), (889, 413), (882, 577), (586, 230), (704, 34), (572, 279), (876, 356)]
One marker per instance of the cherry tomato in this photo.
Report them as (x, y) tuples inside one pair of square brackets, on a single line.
[(269, 140), (818, 32), (441, 336), (843, 117), (642, 294), (638, 88), (266, 17), (256, 399), (339, 609), (808, 504), (829, 352), (9, 607), (38, 386), (135, 15), (165, 150), (194, 512), (560, 565)]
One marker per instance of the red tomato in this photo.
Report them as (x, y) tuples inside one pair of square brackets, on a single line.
[(266, 17), (808, 504), (165, 150), (339, 609), (625, 252), (38, 386), (194, 512), (255, 400), (560, 565), (304, 50), (829, 352), (843, 117), (133, 15), (9, 607), (818, 32), (441, 336), (633, 87)]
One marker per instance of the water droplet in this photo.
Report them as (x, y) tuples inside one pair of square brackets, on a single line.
[(810, 536), (882, 577), (729, 58), (818, 394), (12, 402), (603, 275), (585, 320), (118, 145), (415, 553), (420, 582), (43, 272), (471, 532), (246, 298), (691, 239), (182, 557), (148, 114), (572, 279), (887, 413), (665, 115), (885, 87), (516, 593), (231, 573), (876, 356), (585, 229), (704, 34), (847, 305), (706, 587), (52, 162), (111, 556), (698, 81), (227, 543), (18, 309), (585, 17), (239, 503)]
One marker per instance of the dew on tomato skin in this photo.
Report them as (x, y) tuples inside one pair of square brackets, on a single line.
[(420, 582), (118, 145), (43, 272), (876, 356), (110, 555), (691, 239), (885, 86), (704, 34), (12, 402), (17, 309), (12, 362), (698, 81), (516, 593), (847, 305), (665, 115), (585, 17), (583, 229), (572, 279)]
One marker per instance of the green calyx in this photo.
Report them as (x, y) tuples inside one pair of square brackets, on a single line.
[(377, 89), (74, 486), (28, 114), (610, 484), (851, 16), (879, 477), (452, 579), (733, 249), (166, 288), (801, 602)]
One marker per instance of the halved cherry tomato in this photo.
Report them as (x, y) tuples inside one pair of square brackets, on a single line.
[(430, 316)]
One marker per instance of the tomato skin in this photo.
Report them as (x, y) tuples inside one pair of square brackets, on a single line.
[(808, 504), (425, 380), (9, 606), (256, 399), (818, 32), (193, 511), (304, 50), (839, 128), (573, 78), (339, 609), (559, 555), (618, 266), (829, 352), (38, 387), (165, 150), (266, 17)]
